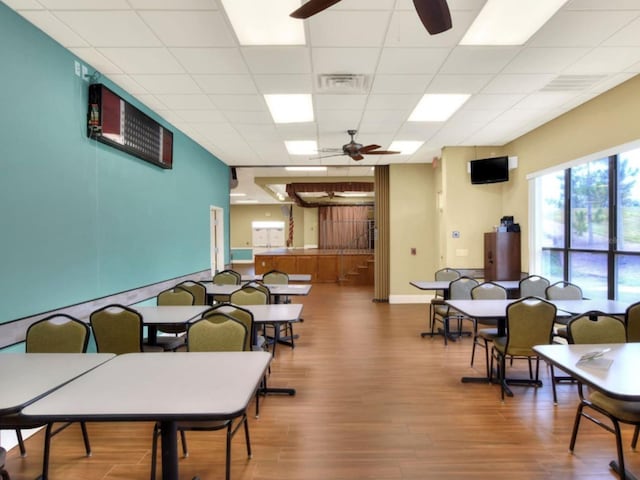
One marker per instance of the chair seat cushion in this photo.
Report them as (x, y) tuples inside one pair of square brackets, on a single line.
[(625, 411), (500, 344)]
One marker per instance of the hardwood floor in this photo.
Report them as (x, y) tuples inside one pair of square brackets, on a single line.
[(374, 401)]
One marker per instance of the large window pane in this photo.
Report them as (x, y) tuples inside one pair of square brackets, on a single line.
[(629, 201), (590, 205), (552, 196), (589, 271), (627, 285), (552, 265)]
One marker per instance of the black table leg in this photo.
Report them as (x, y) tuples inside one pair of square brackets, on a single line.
[(169, 437)]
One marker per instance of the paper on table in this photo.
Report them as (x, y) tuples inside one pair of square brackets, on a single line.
[(595, 360)]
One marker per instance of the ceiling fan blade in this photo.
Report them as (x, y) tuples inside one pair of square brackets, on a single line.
[(356, 156), (312, 7), (368, 148), (382, 152), (434, 15)]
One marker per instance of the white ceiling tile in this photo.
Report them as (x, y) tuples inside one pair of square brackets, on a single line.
[(339, 119), (239, 102), (480, 60), (406, 30), (611, 82), (98, 61), (492, 102), (187, 102), (163, 84), (277, 59), (256, 133), (412, 60), (86, 5), (404, 103), (355, 29), (173, 4), (627, 36), (196, 28), (417, 130), (458, 83), (267, 84), (128, 84), (297, 131), (56, 29), (339, 102), (225, 84), (517, 83), (604, 60), (544, 60), (202, 116), (345, 60), (210, 60), (240, 117), (400, 83), (364, 5), (142, 60), (600, 5), (152, 102), (23, 5), (98, 27), (579, 28)]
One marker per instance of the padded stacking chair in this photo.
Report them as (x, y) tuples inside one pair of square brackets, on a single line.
[(197, 289), (276, 277), (437, 302), (563, 291), (250, 295), (173, 297), (118, 329), (597, 327), (533, 286), (486, 291), (225, 277), (632, 322), (529, 323), (58, 333), (459, 289), (217, 333)]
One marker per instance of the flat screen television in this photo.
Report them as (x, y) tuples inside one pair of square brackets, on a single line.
[(114, 121), (489, 170)]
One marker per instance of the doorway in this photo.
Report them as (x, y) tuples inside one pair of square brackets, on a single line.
[(216, 222)]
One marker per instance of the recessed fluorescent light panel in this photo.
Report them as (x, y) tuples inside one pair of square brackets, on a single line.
[(509, 22), (301, 147), (405, 147), (265, 22), (237, 194), (294, 108), (305, 169), (246, 201), (437, 107)]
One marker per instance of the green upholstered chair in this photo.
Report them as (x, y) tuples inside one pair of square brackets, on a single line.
[(225, 277), (58, 333), (118, 329), (533, 286), (459, 289), (197, 289), (176, 337), (250, 295), (482, 336), (597, 327), (563, 291), (218, 332), (437, 302), (529, 322), (632, 322)]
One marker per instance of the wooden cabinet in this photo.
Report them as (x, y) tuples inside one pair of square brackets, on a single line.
[(502, 256)]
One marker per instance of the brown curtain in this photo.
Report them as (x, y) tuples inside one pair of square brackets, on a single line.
[(344, 227), (382, 267)]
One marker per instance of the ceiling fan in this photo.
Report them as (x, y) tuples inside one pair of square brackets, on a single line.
[(434, 14), (356, 150)]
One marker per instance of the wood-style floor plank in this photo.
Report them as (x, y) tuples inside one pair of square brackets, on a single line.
[(374, 401)]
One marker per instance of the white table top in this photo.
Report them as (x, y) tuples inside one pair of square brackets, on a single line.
[(293, 277), (174, 314), (612, 307), (482, 308), (620, 380), (204, 386), (275, 312), (29, 376), (290, 289)]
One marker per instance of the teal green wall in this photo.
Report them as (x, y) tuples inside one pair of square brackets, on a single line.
[(80, 220)]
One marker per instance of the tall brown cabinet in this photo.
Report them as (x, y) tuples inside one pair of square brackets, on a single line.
[(502, 256)]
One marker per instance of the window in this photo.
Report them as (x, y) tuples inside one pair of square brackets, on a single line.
[(588, 223)]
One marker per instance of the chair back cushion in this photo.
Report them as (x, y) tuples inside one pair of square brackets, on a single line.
[(177, 296), (596, 327), (240, 314), (529, 323), (117, 329), (533, 286), (59, 333), (198, 290), (275, 277), (249, 296), (632, 322), (488, 291), (460, 288), (563, 291), (216, 333), (227, 277)]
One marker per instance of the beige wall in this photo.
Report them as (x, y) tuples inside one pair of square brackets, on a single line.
[(310, 227), (241, 217)]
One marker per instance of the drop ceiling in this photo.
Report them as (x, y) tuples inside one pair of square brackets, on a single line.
[(181, 58)]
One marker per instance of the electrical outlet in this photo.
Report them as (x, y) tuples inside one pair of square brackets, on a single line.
[(455, 234), (77, 67), (85, 73)]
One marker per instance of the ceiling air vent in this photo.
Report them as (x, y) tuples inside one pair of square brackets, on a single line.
[(572, 83), (343, 83)]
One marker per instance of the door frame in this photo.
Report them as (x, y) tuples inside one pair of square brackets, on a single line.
[(216, 229)]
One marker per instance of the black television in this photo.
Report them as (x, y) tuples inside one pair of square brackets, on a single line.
[(489, 170)]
